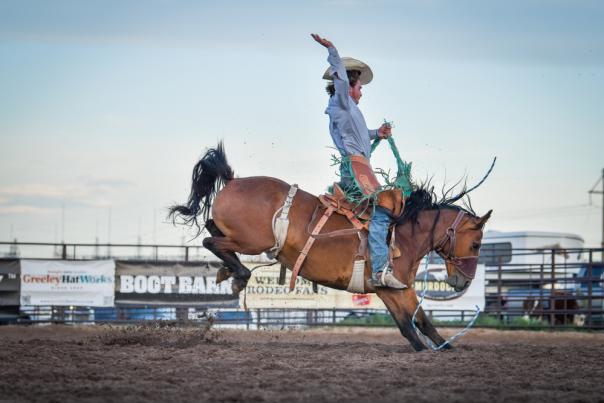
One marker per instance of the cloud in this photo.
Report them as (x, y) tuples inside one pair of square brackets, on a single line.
[(40, 198), (23, 210), (106, 183)]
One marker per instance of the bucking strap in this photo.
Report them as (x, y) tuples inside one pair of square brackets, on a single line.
[(309, 243), (281, 223)]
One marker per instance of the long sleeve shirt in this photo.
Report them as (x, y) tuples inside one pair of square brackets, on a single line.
[(346, 122)]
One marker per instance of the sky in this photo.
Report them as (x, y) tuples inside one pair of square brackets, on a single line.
[(105, 106)]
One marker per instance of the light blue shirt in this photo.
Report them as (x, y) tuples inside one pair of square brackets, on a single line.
[(346, 122)]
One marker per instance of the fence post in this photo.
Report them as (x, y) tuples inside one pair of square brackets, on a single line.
[(186, 253), (552, 297), (589, 289), (64, 252), (541, 296), (499, 297)]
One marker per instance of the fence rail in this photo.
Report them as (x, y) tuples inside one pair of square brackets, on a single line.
[(541, 288)]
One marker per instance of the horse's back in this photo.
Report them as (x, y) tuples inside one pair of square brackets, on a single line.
[(244, 209)]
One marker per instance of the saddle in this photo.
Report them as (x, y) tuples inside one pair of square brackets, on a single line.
[(360, 216)]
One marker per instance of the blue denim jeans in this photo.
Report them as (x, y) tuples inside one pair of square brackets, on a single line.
[(378, 231)]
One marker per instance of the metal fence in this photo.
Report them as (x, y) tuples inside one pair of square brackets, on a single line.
[(548, 287), (532, 288)]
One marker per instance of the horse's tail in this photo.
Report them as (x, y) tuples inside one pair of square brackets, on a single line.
[(210, 174)]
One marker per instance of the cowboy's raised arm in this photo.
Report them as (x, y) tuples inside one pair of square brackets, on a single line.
[(337, 71)]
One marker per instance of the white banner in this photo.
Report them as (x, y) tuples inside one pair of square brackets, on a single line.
[(263, 291), (67, 283), (442, 297)]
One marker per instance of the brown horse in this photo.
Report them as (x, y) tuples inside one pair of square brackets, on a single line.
[(242, 209)]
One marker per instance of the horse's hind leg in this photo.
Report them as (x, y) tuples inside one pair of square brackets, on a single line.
[(224, 248), (395, 302), (224, 272)]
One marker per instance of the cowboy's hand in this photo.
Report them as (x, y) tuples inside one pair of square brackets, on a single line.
[(384, 131), (322, 41)]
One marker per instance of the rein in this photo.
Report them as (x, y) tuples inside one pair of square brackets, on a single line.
[(451, 339), (466, 265)]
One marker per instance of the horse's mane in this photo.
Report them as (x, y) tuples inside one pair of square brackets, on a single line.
[(423, 198)]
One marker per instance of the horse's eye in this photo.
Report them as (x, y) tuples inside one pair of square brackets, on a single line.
[(475, 245)]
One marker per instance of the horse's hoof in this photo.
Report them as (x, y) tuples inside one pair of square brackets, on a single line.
[(222, 274), (238, 285)]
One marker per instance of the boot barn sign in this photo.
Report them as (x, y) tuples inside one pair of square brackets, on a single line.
[(169, 284)]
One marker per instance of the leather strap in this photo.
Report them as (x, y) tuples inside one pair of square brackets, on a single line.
[(309, 242), (466, 264), (332, 234), (345, 211), (450, 235)]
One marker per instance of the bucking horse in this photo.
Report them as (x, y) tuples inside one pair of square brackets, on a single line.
[(240, 213)]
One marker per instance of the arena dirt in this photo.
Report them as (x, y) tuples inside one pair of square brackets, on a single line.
[(174, 364)]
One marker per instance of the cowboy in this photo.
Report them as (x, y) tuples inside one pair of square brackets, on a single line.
[(352, 139)]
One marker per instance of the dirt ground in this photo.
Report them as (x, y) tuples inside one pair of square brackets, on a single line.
[(102, 363)]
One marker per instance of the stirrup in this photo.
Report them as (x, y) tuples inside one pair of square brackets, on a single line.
[(387, 280)]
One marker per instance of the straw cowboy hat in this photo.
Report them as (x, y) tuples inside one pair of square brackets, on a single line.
[(353, 64)]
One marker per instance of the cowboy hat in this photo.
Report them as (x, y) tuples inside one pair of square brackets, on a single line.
[(353, 64)]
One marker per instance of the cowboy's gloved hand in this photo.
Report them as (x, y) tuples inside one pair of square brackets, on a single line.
[(385, 131), (322, 41)]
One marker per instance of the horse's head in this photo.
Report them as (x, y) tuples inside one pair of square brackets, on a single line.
[(460, 246)]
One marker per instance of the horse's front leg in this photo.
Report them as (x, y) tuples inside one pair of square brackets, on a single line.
[(396, 303), (426, 327)]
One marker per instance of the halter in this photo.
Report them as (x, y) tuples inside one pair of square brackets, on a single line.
[(467, 264)]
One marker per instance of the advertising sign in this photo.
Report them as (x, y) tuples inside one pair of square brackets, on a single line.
[(172, 284), (9, 282), (264, 291), (67, 283), (440, 296)]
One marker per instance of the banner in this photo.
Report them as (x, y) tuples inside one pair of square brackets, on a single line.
[(264, 291), (9, 282), (440, 296), (172, 284), (67, 283)]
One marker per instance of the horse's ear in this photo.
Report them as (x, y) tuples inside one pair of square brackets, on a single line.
[(483, 220)]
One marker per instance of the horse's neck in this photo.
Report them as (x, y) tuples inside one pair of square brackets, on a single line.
[(416, 240)]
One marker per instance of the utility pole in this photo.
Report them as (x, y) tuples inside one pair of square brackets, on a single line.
[(597, 192), (62, 222), (109, 233), (138, 240)]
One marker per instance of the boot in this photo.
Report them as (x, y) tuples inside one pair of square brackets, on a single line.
[(386, 279)]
